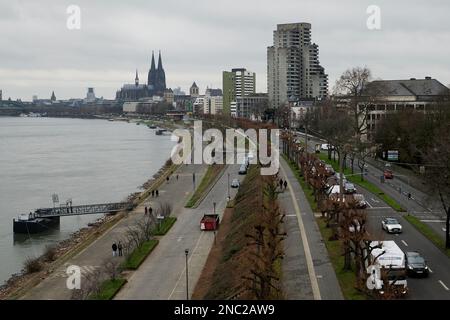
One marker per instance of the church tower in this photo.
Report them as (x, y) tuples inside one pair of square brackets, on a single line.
[(136, 80), (193, 91), (151, 81), (160, 84)]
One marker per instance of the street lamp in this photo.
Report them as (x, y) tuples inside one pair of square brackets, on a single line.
[(228, 185), (186, 252), (214, 204)]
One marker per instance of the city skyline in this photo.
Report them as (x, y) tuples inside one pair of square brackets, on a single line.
[(42, 55)]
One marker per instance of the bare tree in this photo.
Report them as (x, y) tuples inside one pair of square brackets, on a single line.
[(111, 267)]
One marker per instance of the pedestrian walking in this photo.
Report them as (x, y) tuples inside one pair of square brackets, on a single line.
[(281, 183), (150, 210), (177, 177), (119, 246), (167, 178), (285, 184), (114, 249), (153, 193), (157, 192), (145, 211)]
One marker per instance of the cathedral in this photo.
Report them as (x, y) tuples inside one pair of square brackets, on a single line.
[(156, 84)]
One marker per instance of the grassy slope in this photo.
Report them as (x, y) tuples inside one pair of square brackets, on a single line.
[(211, 174), (139, 254), (165, 226), (109, 289)]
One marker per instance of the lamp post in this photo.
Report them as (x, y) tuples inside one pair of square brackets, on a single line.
[(228, 185), (186, 253), (214, 204)]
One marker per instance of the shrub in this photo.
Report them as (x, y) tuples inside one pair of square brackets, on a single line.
[(32, 265), (50, 253)]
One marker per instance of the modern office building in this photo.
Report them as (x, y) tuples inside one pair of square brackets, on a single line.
[(238, 82), (293, 68), (251, 106)]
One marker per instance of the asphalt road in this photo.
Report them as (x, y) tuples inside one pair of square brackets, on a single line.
[(163, 273), (437, 285)]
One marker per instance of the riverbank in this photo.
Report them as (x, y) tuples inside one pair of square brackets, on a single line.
[(22, 281)]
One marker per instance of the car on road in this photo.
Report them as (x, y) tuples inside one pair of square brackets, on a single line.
[(235, 183), (361, 202), (388, 174), (349, 188), (243, 169), (391, 225), (416, 264)]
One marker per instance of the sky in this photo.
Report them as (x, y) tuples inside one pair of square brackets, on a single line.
[(199, 39)]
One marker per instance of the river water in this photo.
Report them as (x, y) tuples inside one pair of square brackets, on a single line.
[(88, 161)]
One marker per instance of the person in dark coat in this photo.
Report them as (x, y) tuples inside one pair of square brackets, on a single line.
[(281, 183), (145, 211), (285, 184), (153, 193), (157, 192), (114, 249), (120, 248)]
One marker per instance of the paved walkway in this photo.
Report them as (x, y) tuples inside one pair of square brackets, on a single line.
[(175, 192), (163, 274), (307, 270)]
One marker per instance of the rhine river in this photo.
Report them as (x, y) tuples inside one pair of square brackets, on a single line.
[(88, 161)]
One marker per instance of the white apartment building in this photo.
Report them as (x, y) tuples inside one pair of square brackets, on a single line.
[(293, 68)]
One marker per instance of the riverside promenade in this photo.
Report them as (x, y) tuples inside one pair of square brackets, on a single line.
[(176, 192)]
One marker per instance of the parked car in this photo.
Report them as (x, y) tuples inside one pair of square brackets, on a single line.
[(349, 188), (391, 225), (235, 183), (333, 190), (243, 169), (325, 146), (416, 264)]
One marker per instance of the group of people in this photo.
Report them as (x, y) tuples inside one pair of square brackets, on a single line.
[(148, 210), (283, 184), (155, 192), (117, 249)]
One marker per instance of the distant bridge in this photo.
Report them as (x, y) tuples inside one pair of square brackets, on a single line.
[(69, 210)]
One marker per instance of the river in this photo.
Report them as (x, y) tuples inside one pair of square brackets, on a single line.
[(88, 161)]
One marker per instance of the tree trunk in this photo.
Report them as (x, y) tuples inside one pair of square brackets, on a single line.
[(347, 256)]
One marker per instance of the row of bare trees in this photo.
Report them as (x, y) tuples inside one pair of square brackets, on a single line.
[(266, 249), (141, 231), (348, 222)]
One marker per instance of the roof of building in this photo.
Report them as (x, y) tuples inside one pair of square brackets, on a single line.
[(411, 87), (194, 85), (134, 87), (213, 92)]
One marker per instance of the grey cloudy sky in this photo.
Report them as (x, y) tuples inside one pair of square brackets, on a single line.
[(199, 39)]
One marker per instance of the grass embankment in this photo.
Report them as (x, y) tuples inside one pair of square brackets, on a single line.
[(347, 279), (109, 289), (165, 226), (356, 179), (139, 254), (429, 233), (212, 173), (235, 256)]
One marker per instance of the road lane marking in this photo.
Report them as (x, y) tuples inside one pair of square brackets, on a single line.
[(374, 200), (442, 284), (404, 242), (184, 269), (291, 215), (429, 269), (443, 229), (309, 260), (368, 203), (376, 208), (433, 221)]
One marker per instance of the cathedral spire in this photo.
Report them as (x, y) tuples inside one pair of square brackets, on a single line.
[(136, 80), (153, 61), (159, 61)]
